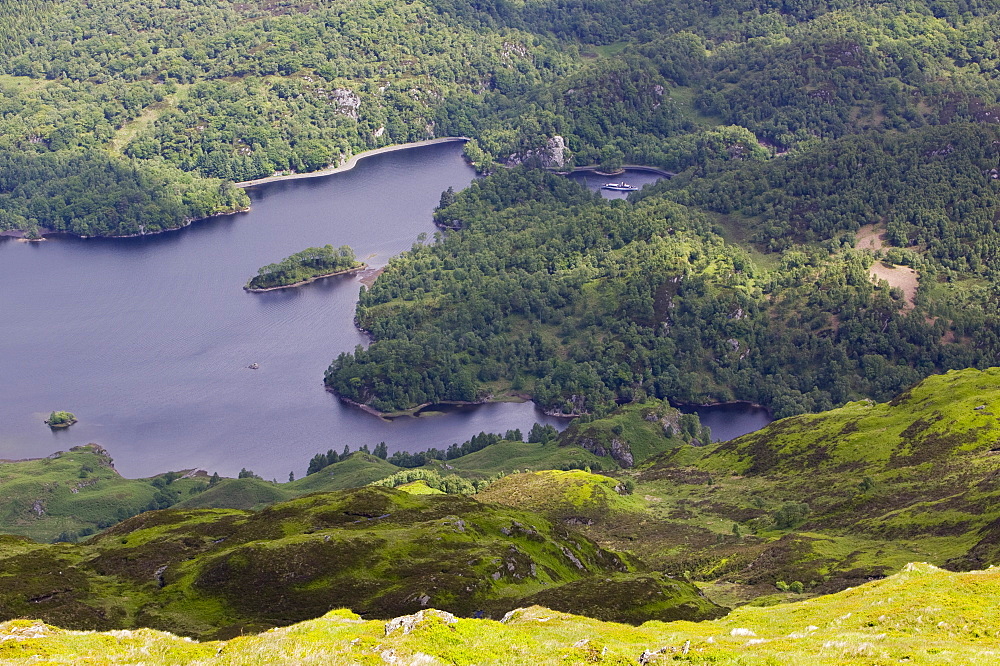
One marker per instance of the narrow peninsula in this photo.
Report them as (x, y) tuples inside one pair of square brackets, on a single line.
[(309, 265)]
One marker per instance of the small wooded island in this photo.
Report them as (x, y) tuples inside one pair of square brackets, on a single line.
[(60, 419), (307, 266)]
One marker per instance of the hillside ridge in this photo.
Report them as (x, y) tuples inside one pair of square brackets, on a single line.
[(920, 615)]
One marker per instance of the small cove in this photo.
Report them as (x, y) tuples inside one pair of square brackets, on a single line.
[(731, 419), (635, 177)]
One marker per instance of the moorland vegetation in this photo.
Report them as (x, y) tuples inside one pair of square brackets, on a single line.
[(829, 239), (803, 509)]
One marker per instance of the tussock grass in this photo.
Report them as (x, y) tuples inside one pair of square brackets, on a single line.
[(921, 615)]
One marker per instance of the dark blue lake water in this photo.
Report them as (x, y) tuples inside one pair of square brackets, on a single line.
[(147, 340), (729, 421)]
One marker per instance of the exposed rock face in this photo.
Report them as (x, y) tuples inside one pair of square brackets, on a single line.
[(347, 102), (553, 154), (671, 421), (619, 450), (409, 622), (622, 453)]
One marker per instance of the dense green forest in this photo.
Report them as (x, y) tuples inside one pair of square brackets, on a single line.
[(188, 92), (304, 266), (792, 128), (582, 303), (91, 194), (242, 91)]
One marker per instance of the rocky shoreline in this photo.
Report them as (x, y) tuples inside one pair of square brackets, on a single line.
[(413, 412), (724, 403)]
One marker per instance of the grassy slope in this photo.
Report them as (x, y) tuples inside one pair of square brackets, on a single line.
[(878, 485), (219, 573), (922, 615), (79, 490), (942, 417), (509, 457), (559, 493), (884, 482), (361, 469), (358, 470), (638, 430), (419, 488), (74, 490), (874, 485)]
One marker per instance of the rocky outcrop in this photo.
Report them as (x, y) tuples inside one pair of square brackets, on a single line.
[(617, 449), (553, 154), (347, 102), (409, 622)]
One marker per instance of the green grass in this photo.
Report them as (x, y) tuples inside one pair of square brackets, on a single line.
[(922, 615), (146, 120), (251, 494), (419, 488), (216, 573), (608, 50), (935, 420), (506, 457), (827, 500), (683, 97), (79, 492), (75, 490), (246, 494), (830, 500), (633, 433), (555, 491)]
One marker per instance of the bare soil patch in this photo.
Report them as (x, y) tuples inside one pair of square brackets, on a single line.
[(870, 237), (903, 277)]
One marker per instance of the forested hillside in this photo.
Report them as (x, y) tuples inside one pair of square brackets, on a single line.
[(242, 91), (580, 303), (799, 132), (838, 175), (233, 92)]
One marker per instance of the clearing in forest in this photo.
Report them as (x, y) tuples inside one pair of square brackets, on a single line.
[(903, 277), (869, 237)]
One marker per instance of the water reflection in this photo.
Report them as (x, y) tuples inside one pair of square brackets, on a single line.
[(593, 181), (729, 421)]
